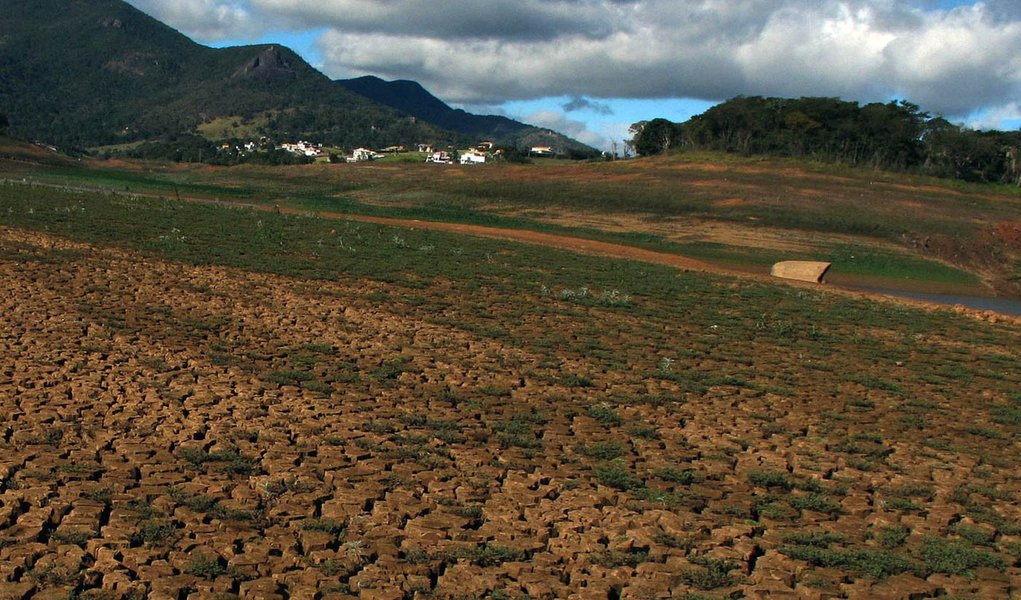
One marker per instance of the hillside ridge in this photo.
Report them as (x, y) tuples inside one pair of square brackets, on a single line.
[(83, 75)]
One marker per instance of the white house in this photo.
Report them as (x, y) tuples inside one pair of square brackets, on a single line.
[(303, 149), (473, 158), (440, 157), (363, 154)]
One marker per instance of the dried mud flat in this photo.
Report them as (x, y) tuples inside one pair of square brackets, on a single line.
[(171, 431)]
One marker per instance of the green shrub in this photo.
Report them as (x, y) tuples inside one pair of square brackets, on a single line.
[(288, 377), (206, 567), (389, 371), (974, 534), (194, 502), (874, 563), (334, 527), (818, 539), (318, 387), (685, 477), (231, 460), (153, 531), (984, 432), (1007, 415), (617, 476), (892, 536), (100, 496), (645, 432), (527, 441), (768, 479), (713, 574), (605, 415), (612, 559), (902, 504), (911, 490), (602, 450), (671, 540), (74, 537), (484, 555), (991, 517), (861, 403), (814, 502), (956, 557)]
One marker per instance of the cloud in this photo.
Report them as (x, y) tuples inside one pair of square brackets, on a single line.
[(578, 103), (519, 20), (965, 60), (953, 61), (1005, 116), (559, 122), (204, 20)]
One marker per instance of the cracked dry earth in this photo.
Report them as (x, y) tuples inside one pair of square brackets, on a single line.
[(171, 431)]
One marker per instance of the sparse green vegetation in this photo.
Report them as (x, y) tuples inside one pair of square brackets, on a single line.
[(874, 563), (331, 526), (153, 531), (618, 476), (769, 479), (712, 574), (616, 558), (892, 536), (205, 566), (956, 557), (306, 384), (603, 450)]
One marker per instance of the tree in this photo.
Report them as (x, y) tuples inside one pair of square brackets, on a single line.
[(895, 135), (654, 137), (4, 123)]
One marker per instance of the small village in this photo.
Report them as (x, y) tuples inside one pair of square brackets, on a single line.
[(478, 154)]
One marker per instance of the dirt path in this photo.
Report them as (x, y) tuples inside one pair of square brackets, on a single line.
[(550, 240)]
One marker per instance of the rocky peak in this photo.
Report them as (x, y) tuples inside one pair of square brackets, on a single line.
[(270, 63)]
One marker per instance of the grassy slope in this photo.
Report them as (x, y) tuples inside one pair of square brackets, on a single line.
[(920, 231)]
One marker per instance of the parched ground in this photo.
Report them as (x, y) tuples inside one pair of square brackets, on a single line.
[(176, 431)]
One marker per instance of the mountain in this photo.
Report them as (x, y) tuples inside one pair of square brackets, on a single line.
[(410, 97), (86, 74)]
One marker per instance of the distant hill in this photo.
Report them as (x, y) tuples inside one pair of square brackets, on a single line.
[(96, 73), (410, 97), (895, 136)]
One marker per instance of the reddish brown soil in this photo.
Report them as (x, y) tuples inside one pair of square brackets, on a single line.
[(148, 448)]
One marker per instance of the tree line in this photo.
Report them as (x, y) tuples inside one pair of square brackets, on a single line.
[(191, 148), (892, 136)]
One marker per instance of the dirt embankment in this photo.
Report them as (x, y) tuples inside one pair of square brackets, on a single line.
[(995, 254)]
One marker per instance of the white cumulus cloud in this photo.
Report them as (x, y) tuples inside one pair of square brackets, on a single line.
[(204, 20), (558, 121), (954, 61)]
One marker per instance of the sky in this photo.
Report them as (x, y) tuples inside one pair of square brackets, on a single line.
[(591, 68)]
